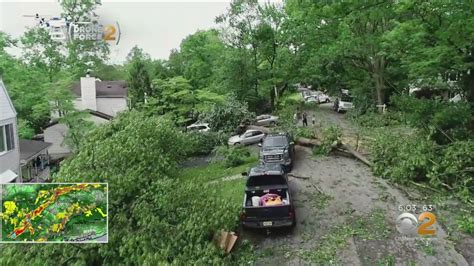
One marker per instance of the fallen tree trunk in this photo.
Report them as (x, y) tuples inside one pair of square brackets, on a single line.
[(308, 142), (311, 143), (265, 130), (356, 154)]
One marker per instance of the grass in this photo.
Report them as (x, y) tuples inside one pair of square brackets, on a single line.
[(229, 189), (426, 246), (388, 260), (215, 171), (318, 200)]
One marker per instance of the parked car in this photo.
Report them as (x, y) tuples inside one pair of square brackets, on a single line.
[(323, 98), (199, 127), (279, 149), (311, 99), (266, 120), (267, 199), (343, 103), (250, 136)]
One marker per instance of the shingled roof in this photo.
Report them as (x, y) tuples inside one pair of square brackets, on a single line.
[(105, 89), (30, 148)]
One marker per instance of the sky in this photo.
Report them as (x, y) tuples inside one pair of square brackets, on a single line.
[(155, 26)]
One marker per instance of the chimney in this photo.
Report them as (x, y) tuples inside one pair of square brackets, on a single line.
[(88, 93)]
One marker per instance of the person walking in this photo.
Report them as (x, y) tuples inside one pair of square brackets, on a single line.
[(305, 119), (313, 119), (295, 118)]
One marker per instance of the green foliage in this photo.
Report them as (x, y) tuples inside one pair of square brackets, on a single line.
[(137, 155), (413, 157), (232, 156), (444, 122), (373, 120), (25, 131), (304, 132), (202, 143), (330, 137), (455, 167), (227, 116), (139, 85), (402, 157), (79, 128), (465, 223)]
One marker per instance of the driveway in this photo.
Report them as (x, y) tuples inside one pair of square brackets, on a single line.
[(347, 216)]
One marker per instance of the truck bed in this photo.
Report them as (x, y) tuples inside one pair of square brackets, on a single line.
[(267, 216)]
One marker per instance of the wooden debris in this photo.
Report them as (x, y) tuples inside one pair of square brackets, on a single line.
[(317, 188), (308, 142), (226, 241), (356, 154), (297, 176)]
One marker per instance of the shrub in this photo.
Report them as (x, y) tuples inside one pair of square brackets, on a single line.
[(232, 156), (203, 143), (373, 119), (442, 121), (454, 168)]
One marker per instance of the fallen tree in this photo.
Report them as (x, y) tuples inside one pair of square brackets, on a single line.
[(312, 143)]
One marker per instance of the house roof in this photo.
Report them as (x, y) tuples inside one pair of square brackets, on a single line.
[(105, 89), (30, 148), (7, 176), (92, 112)]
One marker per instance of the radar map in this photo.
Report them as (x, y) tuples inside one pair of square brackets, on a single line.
[(54, 213)]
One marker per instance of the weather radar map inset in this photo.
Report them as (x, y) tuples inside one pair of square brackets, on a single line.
[(54, 213)]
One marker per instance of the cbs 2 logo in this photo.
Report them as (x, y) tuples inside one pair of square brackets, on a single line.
[(423, 225), (109, 32)]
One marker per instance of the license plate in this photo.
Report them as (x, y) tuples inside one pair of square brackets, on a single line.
[(267, 223)]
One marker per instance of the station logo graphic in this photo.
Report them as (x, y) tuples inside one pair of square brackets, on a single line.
[(409, 225)]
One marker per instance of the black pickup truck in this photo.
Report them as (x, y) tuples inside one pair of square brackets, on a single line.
[(267, 200), (278, 148)]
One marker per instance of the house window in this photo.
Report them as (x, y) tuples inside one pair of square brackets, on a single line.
[(7, 138)]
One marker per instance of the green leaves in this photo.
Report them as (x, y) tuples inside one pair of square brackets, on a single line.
[(227, 116)]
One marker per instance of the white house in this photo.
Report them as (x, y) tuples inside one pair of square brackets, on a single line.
[(102, 99), (108, 97), (55, 133), (9, 143)]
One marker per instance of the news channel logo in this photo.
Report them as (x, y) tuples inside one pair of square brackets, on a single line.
[(410, 225), (62, 30), (88, 31)]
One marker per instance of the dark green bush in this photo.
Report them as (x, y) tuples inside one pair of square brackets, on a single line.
[(374, 119), (413, 157), (455, 168), (402, 157), (203, 143), (443, 121)]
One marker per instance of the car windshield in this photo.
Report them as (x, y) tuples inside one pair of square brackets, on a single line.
[(265, 180), (346, 98), (277, 141)]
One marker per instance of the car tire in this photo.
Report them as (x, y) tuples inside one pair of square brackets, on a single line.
[(327, 100), (237, 144)]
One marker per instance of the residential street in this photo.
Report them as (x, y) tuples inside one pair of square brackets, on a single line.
[(342, 202)]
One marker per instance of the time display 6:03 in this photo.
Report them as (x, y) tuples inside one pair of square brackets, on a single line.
[(414, 208)]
